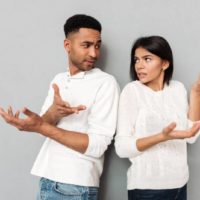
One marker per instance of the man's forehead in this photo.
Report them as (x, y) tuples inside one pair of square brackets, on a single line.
[(86, 34)]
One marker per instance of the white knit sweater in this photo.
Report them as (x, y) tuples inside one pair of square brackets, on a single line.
[(144, 112)]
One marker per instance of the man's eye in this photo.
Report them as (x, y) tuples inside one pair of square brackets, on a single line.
[(85, 45), (97, 46)]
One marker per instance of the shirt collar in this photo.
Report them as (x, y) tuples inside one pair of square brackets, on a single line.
[(79, 75)]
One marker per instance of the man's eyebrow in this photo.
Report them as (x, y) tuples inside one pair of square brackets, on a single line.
[(90, 42)]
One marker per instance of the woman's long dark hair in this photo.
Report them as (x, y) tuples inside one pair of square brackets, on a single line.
[(156, 45)]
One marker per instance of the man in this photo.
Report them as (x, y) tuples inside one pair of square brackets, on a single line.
[(78, 118)]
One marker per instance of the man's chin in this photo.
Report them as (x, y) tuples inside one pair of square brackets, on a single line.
[(88, 67)]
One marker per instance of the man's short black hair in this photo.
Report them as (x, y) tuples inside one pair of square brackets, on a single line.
[(75, 22)]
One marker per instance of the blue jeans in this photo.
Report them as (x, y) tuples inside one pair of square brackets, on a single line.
[(51, 190), (167, 194)]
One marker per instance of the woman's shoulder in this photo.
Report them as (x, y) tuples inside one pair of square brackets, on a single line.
[(131, 85), (174, 84), (130, 88)]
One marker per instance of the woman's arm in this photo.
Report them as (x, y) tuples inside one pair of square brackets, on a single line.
[(168, 133), (194, 104)]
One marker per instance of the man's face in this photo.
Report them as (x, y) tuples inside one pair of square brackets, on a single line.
[(83, 49)]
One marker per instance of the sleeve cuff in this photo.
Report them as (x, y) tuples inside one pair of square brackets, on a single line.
[(97, 145), (126, 147)]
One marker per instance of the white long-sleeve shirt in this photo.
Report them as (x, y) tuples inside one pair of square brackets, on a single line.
[(99, 92), (144, 112)]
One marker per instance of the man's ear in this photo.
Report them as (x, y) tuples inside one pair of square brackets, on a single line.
[(67, 45)]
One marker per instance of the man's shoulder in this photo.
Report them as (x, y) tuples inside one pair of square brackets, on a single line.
[(60, 75), (102, 75)]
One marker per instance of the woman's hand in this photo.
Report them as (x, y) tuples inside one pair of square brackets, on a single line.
[(169, 133)]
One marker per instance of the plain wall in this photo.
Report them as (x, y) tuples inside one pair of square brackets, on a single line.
[(31, 53)]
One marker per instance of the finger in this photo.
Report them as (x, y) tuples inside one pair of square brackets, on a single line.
[(199, 79), (81, 107), (28, 112), (5, 116), (2, 111), (65, 111), (8, 118), (10, 112), (17, 114), (78, 108), (61, 107)]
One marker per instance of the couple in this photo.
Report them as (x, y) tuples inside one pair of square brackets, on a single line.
[(80, 113)]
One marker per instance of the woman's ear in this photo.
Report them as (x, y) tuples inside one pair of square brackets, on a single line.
[(165, 65)]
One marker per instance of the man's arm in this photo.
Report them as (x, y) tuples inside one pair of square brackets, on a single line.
[(34, 123), (101, 123)]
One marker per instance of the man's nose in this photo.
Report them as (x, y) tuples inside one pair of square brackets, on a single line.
[(93, 52)]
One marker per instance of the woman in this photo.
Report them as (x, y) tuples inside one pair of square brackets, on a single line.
[(155, 124)]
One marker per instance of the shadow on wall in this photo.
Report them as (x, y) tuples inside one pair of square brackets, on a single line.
[(113, 181), (102, 61)]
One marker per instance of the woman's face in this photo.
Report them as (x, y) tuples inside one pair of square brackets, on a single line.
[(150, 68)]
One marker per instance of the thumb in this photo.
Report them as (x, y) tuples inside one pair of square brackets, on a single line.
[(28, 112), (169, 128), (56, 90), (198, 80), (196, 126)]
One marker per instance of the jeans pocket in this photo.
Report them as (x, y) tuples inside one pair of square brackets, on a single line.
[(45, 189), (68, 189)]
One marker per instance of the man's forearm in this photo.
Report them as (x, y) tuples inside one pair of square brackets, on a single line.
[(50, 117), (74, 140)]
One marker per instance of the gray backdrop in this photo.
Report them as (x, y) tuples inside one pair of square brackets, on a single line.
[(31, 53)]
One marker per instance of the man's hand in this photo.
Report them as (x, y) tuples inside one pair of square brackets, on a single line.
[(77, 141), (169, 133), (32, 123), (60, 108)]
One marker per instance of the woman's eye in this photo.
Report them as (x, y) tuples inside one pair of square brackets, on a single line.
[(148, 59), (136, 61)]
